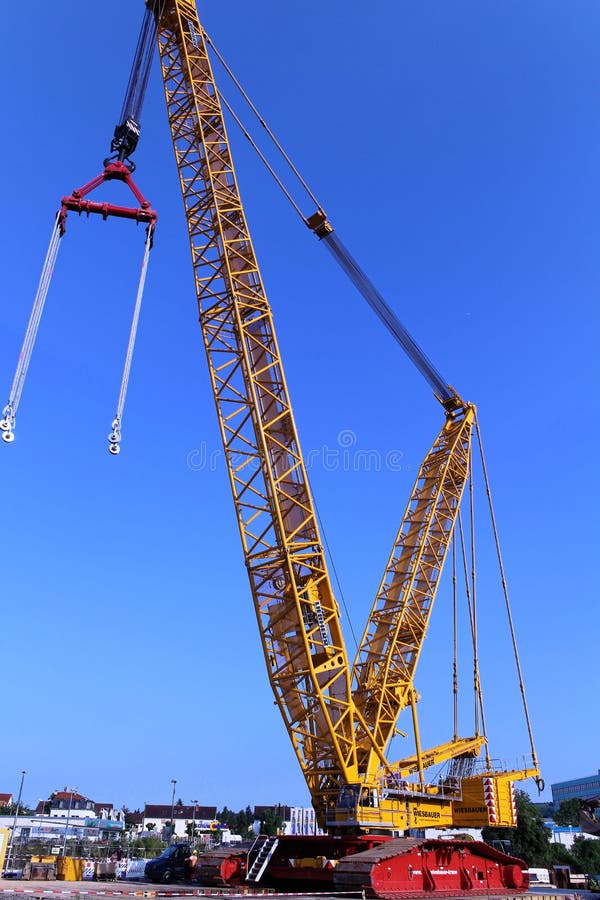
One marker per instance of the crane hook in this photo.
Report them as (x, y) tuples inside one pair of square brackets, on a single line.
[(114, 438), (6, 424)]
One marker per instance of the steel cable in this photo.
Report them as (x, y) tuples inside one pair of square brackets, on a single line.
[(506, 598), (340, 253), (114, 437), (7, 423)]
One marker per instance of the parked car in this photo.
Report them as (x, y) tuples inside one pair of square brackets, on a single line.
[(170, 866)]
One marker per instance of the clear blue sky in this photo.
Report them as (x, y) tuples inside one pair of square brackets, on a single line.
[(455, 146)]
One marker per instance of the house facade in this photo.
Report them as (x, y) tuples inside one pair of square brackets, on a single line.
[(72, 805), (157, 818)]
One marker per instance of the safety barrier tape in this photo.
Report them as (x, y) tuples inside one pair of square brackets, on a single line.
[(232, 893), (194, 892)]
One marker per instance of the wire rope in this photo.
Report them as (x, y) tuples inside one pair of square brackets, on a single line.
[(454, 639), (337, 248), (262, 122), (8, 420), (260, 154), (114, 438), (478, 688), (507, 599)]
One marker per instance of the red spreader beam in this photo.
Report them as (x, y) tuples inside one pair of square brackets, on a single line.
[(77, 202), (114, 171)]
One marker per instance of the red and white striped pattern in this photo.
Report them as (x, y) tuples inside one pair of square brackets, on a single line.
[(513, 801), (490, 799)]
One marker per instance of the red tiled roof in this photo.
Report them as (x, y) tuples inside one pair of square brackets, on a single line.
[(65, 795), (5, 799)]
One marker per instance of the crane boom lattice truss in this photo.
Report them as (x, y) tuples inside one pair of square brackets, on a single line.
[(389, 651), (308, 667)]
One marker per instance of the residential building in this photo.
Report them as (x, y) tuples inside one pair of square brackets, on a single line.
[(66, 804), (71, 805), (6, 799), (204, 818), (581, 788)]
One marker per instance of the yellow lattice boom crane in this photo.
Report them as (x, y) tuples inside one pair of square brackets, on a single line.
[(341, 716)]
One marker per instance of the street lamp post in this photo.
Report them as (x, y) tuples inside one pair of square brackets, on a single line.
[(173, 782), (195, 802), (17, 808), (64, 847)]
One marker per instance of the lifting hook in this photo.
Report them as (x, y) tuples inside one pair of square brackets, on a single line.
[(114, 438), (6, 425)]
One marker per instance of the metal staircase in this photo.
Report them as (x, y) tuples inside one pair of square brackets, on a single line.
[(266, 846)]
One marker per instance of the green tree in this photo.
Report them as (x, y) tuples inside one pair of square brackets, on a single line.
[(227, 817), (271, 822), (150, 844), (560, 856), (238, 822), (568, 812), (587, 855), (530, 840), (11, 809), (244, 822)]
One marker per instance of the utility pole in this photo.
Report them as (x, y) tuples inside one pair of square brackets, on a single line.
[(173, 782), (195, 802), (64, 847), (17, 809)]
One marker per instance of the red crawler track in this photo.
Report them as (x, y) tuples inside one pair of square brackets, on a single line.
[(406, 868)]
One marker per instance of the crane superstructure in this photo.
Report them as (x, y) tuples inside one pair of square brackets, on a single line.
[(340, 718)]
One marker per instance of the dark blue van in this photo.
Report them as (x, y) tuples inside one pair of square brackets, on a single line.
[(171, 865)]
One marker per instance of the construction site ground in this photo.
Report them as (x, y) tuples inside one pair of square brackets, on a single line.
[(88, 890)]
